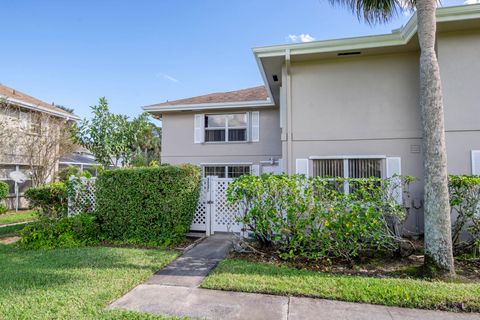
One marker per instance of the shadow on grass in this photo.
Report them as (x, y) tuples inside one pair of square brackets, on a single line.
[(23, 269)]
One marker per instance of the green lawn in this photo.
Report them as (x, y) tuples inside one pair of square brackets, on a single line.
[(73, 283), (20, 216), (11, 230), (240, 275)]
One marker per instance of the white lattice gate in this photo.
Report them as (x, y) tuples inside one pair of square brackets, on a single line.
[(214, 213)]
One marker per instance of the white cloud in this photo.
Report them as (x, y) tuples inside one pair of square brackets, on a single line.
[(168, 77), (471, 2), (304, 37)]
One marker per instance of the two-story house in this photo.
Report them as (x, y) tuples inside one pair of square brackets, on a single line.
[(343, 107), (23, 118)]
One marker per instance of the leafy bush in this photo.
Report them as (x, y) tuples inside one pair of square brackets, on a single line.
[(465, 201), (65, 174), (76, 231), (3, 195), (50, 198), (313, 218), (149, 205)]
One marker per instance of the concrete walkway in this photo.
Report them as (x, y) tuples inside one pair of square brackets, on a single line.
[(174, 291)]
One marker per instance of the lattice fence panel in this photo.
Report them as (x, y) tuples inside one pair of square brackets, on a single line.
[(200, 216), (81, 195), (225, 213)]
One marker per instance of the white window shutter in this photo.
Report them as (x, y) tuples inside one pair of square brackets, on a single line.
[(301, 166), (255, 170), (199, 131), (394, 167), (476, 162), (255, 126)]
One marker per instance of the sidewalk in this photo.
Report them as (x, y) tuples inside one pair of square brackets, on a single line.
[(174, 291)]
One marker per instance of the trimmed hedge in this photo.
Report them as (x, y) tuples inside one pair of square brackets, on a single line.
[(3, 196), (51, 198), (149, 205)]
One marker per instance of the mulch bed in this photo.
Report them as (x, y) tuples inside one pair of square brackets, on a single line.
[(381, 267)]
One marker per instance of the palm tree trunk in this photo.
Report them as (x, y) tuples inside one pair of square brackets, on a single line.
[(438, 241)]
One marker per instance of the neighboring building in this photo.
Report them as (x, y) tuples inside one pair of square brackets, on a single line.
[(81, 158), (18, 114), (345, 107)]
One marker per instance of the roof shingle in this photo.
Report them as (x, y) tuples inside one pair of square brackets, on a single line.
[(251, 94), (7, 92)]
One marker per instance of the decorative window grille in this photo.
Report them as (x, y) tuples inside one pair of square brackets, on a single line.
[(364, 168), (352, 168), (328, 168), (348, 168)]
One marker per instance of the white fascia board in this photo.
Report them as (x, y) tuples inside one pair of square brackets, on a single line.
[(210, 106), (225, 163), (33, 107), (348, 157), (331, 45), (400, 37), (264, 76)]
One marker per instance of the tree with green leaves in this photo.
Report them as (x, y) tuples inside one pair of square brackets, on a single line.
[(111, 137), (148, 146), (438, 241)]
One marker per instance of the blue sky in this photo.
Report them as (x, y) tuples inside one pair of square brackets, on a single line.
[(139, 52)]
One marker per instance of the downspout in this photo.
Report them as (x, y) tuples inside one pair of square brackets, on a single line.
[(289, 156)]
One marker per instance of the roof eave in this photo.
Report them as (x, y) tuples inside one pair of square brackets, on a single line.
[(398, 38), (33, 107), (209, 106)]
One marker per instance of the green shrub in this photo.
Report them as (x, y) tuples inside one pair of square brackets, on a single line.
[(3, 195), (465, 201), (76, 231), (150, 205), (50, 198), (313, 218), (65, 174)]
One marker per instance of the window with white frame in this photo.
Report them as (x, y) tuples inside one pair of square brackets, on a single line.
[(226, 127), (348, 168), (353, 168), (226, 171)]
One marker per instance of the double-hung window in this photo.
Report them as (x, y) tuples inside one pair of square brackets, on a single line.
[(226, 127)]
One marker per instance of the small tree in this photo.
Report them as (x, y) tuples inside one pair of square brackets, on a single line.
[(45, 144), (110, 137), (148, 143)]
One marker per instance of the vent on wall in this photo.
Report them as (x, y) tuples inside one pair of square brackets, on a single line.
[(348, 53), (415, 148)]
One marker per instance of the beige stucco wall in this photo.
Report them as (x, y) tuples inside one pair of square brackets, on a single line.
[(356, 98), (370, 106), (178, 144), (357, 106), (458, 55)]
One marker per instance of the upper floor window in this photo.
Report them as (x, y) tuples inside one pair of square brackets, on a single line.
[(30, 122), (226, 127)]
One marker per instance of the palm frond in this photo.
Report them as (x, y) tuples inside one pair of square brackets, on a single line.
[(376, 11)]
